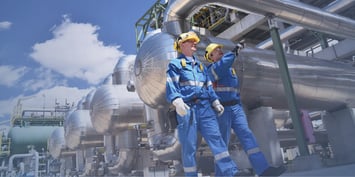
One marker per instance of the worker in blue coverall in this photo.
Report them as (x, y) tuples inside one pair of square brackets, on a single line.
[(226, 86), (189, 89)]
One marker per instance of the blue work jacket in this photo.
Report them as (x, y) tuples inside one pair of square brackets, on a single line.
[(224, 78), (188, 80)]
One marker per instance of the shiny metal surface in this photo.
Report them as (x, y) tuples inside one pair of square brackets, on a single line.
[(108, 80), (317, 84), (114, 109), (126, 144), (335, 7), (123, 71), (126, 161), (163, 141), (79, 130), (150, 67), (56, 142), (289, 11), (88, 99)]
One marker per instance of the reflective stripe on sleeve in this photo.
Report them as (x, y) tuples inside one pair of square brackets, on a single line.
[(253, 151), (226, 89), (190, 169), (215, 76), (168, 79), (221, 155), (209, 83), (172, 79)]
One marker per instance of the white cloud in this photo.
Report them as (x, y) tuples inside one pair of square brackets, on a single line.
[(61, 94), (7, 107), (43, 79), (11, 75), (76, 52), (5, 25)]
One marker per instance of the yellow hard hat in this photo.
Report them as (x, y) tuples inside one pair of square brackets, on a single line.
[(184, 37), (209, 49)]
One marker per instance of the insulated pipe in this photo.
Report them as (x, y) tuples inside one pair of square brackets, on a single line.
[(289, 11), (318, 84), (32, 153), (294, 30), (162, 141)]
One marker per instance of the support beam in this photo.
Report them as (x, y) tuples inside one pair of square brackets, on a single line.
[(286, 79)]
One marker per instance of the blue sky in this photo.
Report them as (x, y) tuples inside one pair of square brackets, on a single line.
[(60, 50)]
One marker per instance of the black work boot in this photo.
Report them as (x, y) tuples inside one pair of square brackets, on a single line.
[(274, 171)]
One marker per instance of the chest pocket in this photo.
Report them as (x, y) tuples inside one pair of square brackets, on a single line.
[(183, 64), (192, 72)]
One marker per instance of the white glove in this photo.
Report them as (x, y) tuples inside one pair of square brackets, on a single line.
[(181, 107), (218, 107)]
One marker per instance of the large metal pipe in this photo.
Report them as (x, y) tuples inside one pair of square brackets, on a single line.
[(30, 154), (289, 11), (124, 154), (318, 84), (162, 138), (334, 7)]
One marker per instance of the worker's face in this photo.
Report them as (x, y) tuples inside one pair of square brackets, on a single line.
[(216, 54), (188, 47)]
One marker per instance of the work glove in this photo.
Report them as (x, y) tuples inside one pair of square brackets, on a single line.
[(181, 107), (237, 48), (217, 106)]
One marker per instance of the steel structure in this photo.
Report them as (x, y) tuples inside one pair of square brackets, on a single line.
[(123, 127)]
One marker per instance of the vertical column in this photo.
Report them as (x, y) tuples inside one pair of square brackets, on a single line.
[(286, 79)]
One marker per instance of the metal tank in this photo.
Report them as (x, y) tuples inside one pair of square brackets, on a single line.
[(114, 109), (79, 131), (87, 100), (23, 137), (56, 144), (318, 84), (122, 73), (150, 68)]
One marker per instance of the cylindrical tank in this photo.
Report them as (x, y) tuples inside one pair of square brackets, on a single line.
[(56, 142), (79, 130), (150, 68), (114, 109), (24, 137), (88, 99), (318, 84), (123, 71)]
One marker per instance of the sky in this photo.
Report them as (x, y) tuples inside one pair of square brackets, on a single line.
[(59, 50)]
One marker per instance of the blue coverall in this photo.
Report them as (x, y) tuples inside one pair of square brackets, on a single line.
[(189, 80), (226, 86)]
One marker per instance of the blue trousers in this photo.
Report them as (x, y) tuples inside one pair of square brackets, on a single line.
[(234, 117), (202, 118)]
